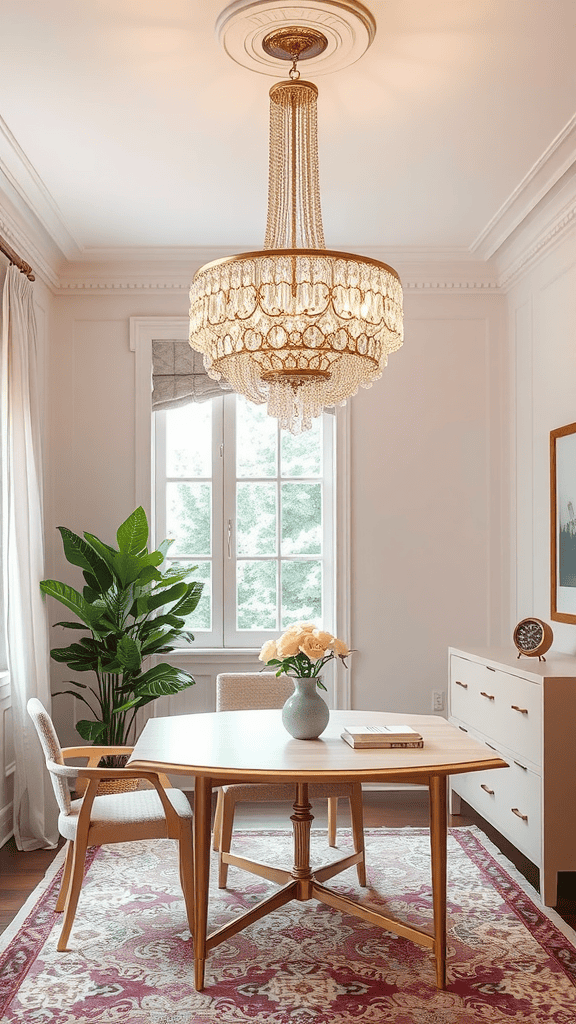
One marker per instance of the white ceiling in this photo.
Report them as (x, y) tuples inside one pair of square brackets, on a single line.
[(126, 125)]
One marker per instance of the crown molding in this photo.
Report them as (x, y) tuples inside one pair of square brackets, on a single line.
[(522, 257), (556, 161), (141, 271), (23, 180)]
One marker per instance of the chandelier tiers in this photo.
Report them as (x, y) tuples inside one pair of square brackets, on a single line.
[(295, 325)]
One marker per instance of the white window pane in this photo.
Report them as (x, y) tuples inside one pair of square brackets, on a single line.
[(301, 519), (256, 519), (256, 440), (256, 589), (201, 618), (301, 592), (189, 440), (301, 454), (188, 513)]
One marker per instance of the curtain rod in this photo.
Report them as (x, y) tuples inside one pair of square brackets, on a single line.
[(14, 258)]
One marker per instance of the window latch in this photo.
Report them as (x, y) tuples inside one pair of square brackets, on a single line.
[(229, 538)]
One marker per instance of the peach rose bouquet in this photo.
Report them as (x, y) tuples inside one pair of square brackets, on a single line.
[(303, 650)]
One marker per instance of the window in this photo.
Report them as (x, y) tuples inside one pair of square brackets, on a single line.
[(254, 508)]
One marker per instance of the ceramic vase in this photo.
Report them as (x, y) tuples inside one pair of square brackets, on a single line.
[(305, 715)]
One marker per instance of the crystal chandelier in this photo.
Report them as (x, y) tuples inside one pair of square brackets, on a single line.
[(295, 325)]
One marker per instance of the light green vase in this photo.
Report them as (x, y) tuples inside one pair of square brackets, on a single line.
[(305, 715)]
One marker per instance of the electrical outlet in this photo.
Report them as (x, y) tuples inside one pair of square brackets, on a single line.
[(438, 700)]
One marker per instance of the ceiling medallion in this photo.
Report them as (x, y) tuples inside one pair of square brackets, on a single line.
[(296, 325), (347, 26)]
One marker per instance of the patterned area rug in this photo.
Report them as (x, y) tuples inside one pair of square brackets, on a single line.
[(129, 959)]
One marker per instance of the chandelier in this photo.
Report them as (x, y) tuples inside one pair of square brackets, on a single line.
[(296, 325)]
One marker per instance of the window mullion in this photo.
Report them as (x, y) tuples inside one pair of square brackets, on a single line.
[(159, 482), (216, 525), (229, 517)]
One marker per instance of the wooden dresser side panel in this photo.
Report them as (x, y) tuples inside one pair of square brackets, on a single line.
[(559, 777)]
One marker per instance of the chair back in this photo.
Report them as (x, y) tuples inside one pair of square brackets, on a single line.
[(245, 691), (52, 750)]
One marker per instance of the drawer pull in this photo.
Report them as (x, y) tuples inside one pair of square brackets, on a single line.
[(523, 711), (489, 745), (462, 728), (519, 813), (486, 790), (463, 685), (522, 766), (489, 696)]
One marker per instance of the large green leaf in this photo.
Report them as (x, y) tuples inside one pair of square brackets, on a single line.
[(93, 583), (153, 624), (175, 593), (90, 731), (78, 552), (154, 558), (107, 553), (132, 535), (190, 600), (156, 642), (176, 574), (160, 681), (128, 654), (71, 625), (128, 567), (147, 575), (73, 600), (75, 652)]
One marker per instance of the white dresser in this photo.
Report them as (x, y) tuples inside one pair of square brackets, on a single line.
[(526, 710)]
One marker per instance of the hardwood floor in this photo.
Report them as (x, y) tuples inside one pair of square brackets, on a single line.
[(20, 873)]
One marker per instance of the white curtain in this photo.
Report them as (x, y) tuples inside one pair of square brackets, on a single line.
[(26, 629)]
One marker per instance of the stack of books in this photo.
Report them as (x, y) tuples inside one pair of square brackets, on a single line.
[(364, 736)]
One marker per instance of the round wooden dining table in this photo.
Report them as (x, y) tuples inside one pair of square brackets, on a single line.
[(227, 747)]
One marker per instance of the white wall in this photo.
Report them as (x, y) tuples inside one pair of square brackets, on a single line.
[(427, 465), (542, 329), (426, 456)]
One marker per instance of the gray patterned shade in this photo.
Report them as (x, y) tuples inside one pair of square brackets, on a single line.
[(179, 377)]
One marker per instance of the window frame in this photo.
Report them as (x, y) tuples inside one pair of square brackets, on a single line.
[(145, 330)]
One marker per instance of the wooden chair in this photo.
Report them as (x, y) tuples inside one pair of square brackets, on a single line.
[(156, 813), (241, 691)]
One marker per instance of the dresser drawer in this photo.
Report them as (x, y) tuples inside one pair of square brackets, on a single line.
[(506, 709), (516, 716), (510, 799), (467, 680)]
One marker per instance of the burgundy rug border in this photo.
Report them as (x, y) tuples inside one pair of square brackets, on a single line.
[(555, 944), (15, 963)]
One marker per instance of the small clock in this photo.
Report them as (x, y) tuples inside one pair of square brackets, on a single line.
[(533, 638)]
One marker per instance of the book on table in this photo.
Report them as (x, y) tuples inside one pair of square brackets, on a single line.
[(396, 736)]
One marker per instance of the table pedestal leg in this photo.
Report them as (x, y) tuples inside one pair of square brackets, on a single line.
[(202, 821), (301, 821), (438, 837)]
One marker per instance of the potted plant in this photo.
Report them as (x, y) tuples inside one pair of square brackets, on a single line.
[(130, 610)]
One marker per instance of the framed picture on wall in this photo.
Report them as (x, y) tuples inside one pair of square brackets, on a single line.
[(563, 523)]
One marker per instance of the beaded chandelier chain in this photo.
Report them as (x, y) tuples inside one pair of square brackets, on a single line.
[(295, 325)]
